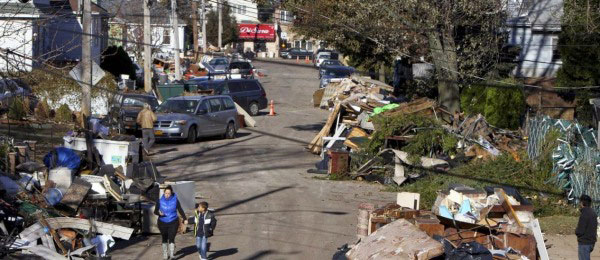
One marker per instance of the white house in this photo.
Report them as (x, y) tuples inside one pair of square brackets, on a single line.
[(534, 25), (46, 31), (244, 11), (163, 42)]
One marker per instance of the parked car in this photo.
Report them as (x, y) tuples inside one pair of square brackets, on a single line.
[(15, 88), (299, 53), (248, 93), (323, 55), (319, 58), (125, 108), (244, 68), (327, 63), (189, 117), (283, 53), (218, 65), (335, 72)]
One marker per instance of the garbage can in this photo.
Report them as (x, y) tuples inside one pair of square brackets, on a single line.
[(338, 162)]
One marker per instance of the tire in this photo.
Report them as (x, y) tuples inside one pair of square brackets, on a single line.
[(192, 134), (230, 131), (253, 109)]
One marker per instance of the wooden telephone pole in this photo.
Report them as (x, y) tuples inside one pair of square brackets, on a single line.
[(195, 28), (86, 59), (147, 48), (175, 25)]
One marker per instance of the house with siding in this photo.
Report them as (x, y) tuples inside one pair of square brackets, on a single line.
[(46, 31), (534, 26)]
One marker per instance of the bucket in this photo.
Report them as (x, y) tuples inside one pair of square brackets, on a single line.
[(53, 196)]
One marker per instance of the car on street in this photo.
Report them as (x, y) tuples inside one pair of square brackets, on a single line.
[(334, 72), (218, 65), (294, 53), (244, 68), (189, 117), (125, 107), (327, 63), (323, 56), (248, 93)]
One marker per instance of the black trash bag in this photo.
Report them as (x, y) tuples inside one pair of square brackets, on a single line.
[(468, 251), (30, 167)]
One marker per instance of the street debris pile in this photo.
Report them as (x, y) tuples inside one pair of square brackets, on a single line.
[(465, 223), (377, 131), (79, 201)]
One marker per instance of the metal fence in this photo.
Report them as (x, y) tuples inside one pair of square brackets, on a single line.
[(576, 159)]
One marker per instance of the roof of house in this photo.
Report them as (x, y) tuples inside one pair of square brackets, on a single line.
[(35, 8), (538, 14)]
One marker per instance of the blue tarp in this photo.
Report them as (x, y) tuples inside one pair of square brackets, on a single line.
[(62, 157)]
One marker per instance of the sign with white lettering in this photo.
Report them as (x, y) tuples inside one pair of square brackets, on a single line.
[(257, 31)]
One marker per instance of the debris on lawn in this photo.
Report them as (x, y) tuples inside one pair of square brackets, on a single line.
[(94, 189), (496, 222)]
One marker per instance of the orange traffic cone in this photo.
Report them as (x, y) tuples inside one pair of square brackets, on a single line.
[(272, 109), (307, 60)]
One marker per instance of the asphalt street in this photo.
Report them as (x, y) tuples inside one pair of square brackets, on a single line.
[(266, 204)]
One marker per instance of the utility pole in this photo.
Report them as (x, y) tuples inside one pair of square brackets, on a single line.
[(204, 41), (220, 9), (147, 48), (195, 28), (176, 36), (86, 60)]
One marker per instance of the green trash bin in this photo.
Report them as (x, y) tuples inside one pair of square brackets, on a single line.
[(170, 90)]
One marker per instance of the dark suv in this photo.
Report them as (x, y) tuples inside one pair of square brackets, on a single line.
[(125, 107), (248, 93)]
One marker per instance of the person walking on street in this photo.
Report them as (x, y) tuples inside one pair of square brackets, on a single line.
[(204, 224), (168, 222), (146, 119), (586, 228)]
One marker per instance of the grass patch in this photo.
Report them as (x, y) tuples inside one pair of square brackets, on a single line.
[(559, 225), (332, 177)]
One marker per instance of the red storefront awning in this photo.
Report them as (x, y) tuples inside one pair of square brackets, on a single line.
[(257, 31)]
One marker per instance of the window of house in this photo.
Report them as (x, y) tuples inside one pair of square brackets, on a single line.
[(555, 50), (166, 36), (309, 46), (296, 44), (285, 16), (243, 9)]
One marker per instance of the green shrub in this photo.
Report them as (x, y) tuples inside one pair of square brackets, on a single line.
[(64, 114), (42, 110), (16, 109), (429, 139), (501, 106)]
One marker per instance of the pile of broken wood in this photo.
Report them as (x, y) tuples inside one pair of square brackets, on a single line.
[(505, 228)]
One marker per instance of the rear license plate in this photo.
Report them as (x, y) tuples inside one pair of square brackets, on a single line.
[(158, 132)]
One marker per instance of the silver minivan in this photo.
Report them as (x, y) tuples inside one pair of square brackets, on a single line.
[(190, 117)]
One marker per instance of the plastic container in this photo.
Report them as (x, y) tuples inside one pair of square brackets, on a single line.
[(53, 196)]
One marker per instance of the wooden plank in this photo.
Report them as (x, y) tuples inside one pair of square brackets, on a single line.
[(35, 231), (248, 120), (76, 193), (315, 145), (318, 96), (45, 224), (539, 239), (397, 240), (507, 206)]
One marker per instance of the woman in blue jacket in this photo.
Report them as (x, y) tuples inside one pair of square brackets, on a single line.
[(168, 222)]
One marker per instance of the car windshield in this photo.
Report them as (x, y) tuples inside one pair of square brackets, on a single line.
[(135, 101), (332, 62), (240, 65), (214, 62), (338, 73), (325, 56), (178, 106)]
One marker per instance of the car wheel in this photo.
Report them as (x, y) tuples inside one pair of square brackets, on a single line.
[(230, 131), (191, 138), (253, 109)]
